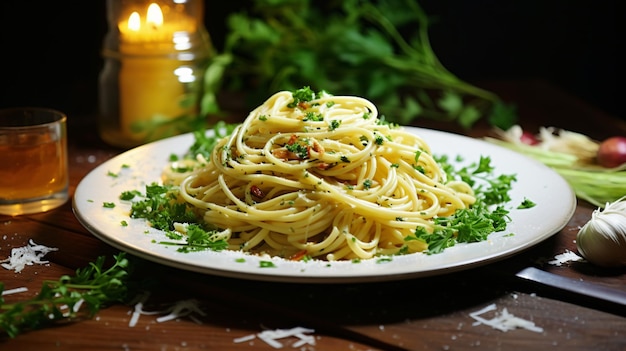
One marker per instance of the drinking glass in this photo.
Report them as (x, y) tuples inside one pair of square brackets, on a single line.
[(33, 160)]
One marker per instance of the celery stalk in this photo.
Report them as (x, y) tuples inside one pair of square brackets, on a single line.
[(591, 183)]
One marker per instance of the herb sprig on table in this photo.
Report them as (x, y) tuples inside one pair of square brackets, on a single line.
[(376, 49), (70, 297)]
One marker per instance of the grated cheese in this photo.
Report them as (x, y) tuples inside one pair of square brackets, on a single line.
[(565, 257), (271, 337), (26, 256), (182, 308), (503, 321), (14, 291), (248, 337), (179, 309)]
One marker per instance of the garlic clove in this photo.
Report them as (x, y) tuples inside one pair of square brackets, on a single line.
[(602, 240)]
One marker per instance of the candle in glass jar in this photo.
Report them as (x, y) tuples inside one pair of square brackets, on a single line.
[(149, 87)]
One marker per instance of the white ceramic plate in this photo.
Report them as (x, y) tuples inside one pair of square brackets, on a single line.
[(555, 204)]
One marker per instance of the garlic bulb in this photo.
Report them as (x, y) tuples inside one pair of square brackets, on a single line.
[(602, 240)]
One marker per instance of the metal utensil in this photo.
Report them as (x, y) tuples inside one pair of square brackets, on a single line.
[(572, 285)]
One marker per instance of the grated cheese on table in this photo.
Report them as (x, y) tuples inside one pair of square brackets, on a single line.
[(182, 308), (271, 337), (14, 291), (26, 256), (503, 321), (565, 257)]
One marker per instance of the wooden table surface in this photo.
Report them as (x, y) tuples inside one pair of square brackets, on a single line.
[(431, 313)]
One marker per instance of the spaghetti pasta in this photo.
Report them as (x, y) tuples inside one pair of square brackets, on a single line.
[(320, 176)]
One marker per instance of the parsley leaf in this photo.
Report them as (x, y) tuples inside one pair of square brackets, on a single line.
[(526, 203)]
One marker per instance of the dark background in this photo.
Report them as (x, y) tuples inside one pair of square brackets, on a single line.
[(50, 50)]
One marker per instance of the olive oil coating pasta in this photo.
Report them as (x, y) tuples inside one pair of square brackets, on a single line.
[(323, 178)]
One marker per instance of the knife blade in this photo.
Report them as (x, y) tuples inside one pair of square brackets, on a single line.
[(579, 287)]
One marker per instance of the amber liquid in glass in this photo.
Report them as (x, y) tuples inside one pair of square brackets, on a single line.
[(32, 166)]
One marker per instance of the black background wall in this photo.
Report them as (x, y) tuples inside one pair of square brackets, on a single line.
[(50, 50)]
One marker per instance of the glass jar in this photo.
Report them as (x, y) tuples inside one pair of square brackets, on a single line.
[(155, 54)]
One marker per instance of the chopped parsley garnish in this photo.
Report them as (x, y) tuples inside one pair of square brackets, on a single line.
[(161, 209), (129, 195), (367, 183), (304, 94), (418, 153), (526, 204), (379, 139), (465, 226), (491, 190), (385, 259), (485, 216), (314, 117), (301, 151), (199, 239), (266, 264)]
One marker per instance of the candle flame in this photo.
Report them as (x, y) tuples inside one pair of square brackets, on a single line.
[(154, 18), (155, 15), (134, 22)]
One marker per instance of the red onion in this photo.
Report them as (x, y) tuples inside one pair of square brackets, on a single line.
[(612, 152), (529, 138)]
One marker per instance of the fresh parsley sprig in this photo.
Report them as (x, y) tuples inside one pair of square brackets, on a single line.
[(70, 298)]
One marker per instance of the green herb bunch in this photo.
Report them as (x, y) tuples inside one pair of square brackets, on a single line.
[(70, 298), (378, 49)]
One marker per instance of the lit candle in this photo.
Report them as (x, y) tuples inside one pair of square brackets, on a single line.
[(155, 55), (149, 87)]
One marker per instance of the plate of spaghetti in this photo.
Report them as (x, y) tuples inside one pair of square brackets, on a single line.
[(317, 188)]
